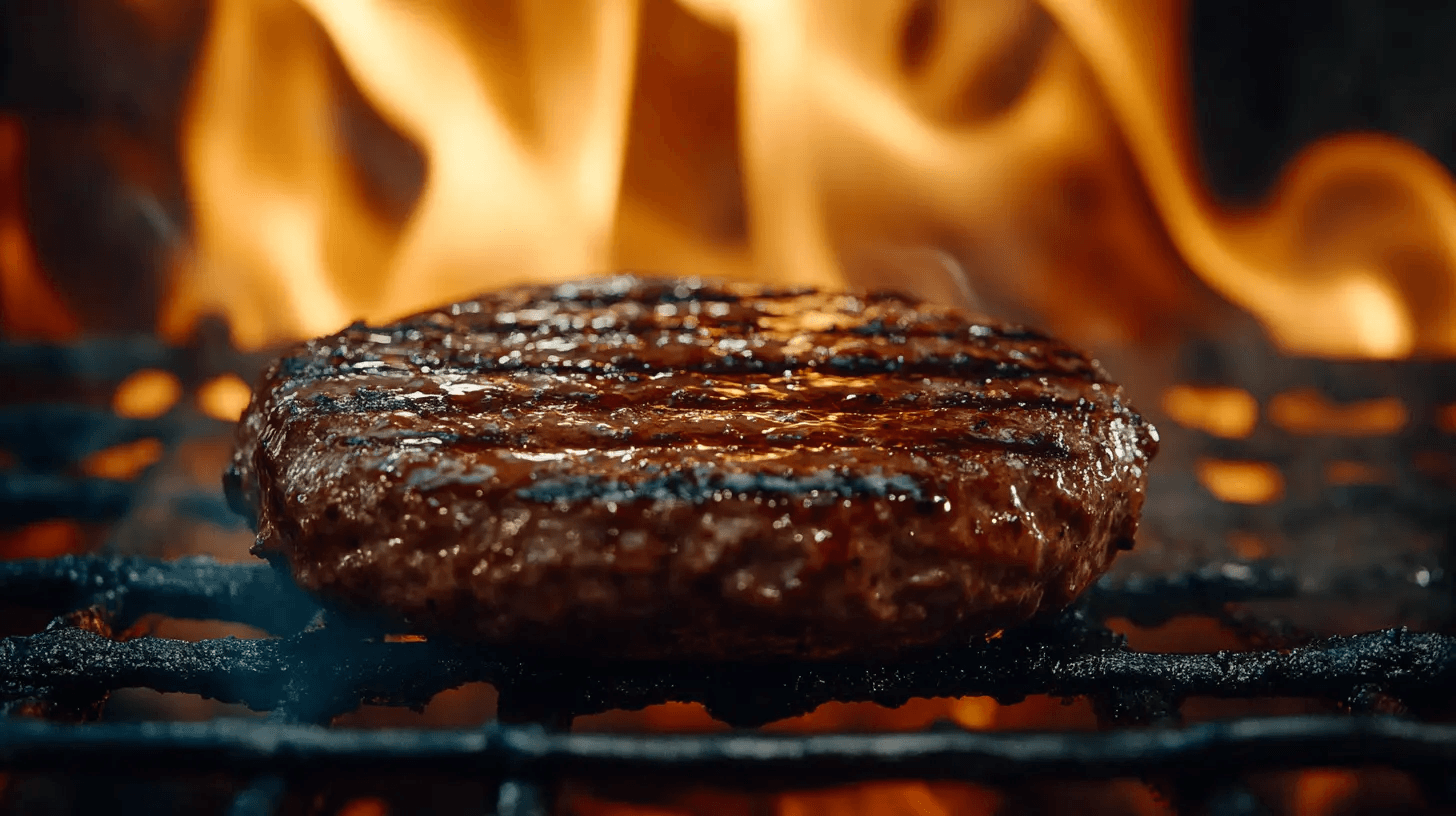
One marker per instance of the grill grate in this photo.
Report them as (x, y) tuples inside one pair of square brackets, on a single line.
[(778, 761), (1322, 539), (317, 674)]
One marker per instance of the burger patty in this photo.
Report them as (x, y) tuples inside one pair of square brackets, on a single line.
[(673, 469)]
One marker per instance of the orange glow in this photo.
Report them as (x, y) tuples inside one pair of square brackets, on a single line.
[(679, 717), (224, 397), (1332, 260), (974, 713), (909, 798), (1307, 411), (365, 806), (1446, 419), (1241, 482), (589, 806), (1047, 147), (124, 462), (1248, 546), (29, 306), (1320, 792), (1345, 472), (968, 712), (43, 539), (916, 714), (1227, 412), (876, 799), (146, 394), (516, 188), (674, 717)]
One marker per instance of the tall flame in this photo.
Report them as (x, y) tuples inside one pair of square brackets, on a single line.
[(1039, 153), (1327, 262), (288, 244), (29, 306)]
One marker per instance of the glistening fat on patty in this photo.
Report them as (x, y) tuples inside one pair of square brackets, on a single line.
[(647, 468)]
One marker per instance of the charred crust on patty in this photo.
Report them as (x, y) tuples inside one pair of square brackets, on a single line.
[(676, 469)]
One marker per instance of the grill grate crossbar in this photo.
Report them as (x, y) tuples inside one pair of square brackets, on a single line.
[(321, 672), (204, 588), (773, 760)]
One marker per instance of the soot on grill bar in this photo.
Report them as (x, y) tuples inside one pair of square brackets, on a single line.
[(755, 539)]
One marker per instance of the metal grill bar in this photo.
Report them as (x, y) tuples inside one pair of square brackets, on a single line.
[(1151, 600), (201, 587), (29, 497), (318, 674), (51, 436), (774, 760), (197, 587), (112, 358), (108, 359)]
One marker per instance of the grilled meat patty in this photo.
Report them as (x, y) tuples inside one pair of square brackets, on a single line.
[(676, 469)]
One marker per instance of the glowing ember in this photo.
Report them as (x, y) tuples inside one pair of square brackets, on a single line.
[(1241, 482), (365, 806), (1319, 793), (919, 798), (147, 394), (124, 462), (1227, 412), (1344, 472), (1306, 411), (974, 713), (1447, 419), (43, 539), (224, 397)]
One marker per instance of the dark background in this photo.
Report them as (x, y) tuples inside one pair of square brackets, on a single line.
[(1270, 76)]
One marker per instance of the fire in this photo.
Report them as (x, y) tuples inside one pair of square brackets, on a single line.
[(373, 157), (29, 306), (366, 158), (517, 187), (1327, 262)]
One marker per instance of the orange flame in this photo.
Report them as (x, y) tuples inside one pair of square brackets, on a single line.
[(29, 307), (1328, 262), (288, 244), (870, 143)]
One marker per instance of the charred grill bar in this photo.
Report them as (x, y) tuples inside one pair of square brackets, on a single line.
[(774, 761), (318, 674), (312, 673), (90, 87)]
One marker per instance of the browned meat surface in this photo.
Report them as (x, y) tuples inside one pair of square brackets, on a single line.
[(673, 469)]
